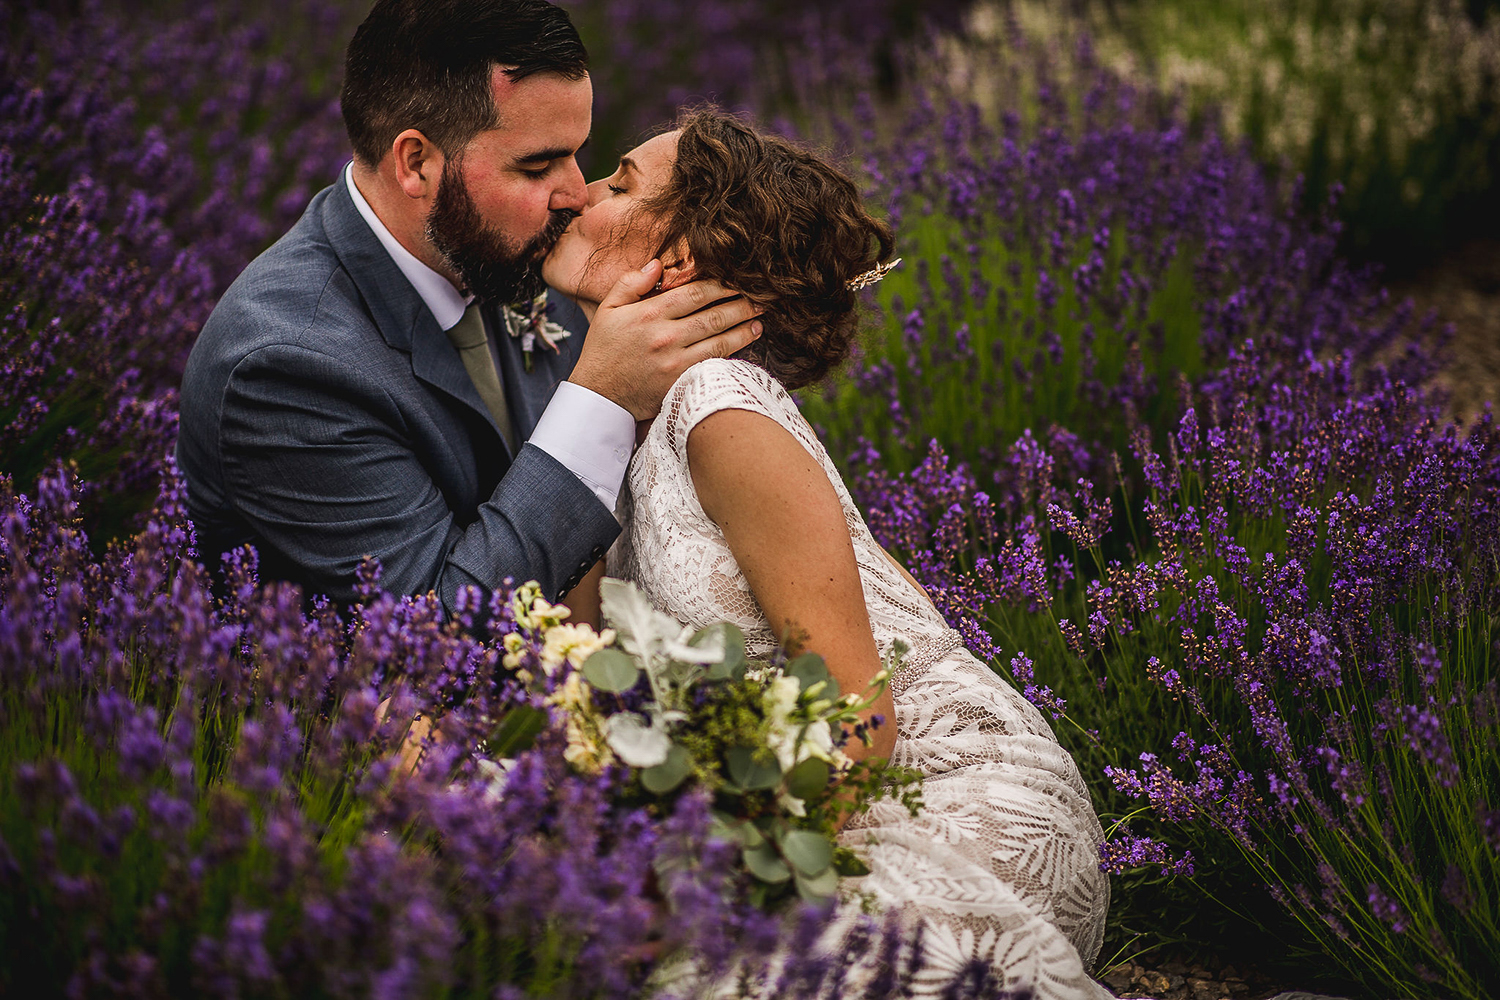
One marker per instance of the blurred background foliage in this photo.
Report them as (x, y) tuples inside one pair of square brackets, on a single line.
[(1395, 101)]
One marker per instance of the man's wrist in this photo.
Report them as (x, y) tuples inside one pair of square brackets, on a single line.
[(604, 390), (589, 434)]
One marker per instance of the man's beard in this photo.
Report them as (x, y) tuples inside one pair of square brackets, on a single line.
[(491, 268)]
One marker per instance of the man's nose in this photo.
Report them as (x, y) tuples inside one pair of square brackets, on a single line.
[(573, 193)]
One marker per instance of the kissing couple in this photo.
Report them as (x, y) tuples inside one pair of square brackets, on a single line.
[(447, 362)]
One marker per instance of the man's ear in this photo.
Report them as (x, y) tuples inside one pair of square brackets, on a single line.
[(419, 164)]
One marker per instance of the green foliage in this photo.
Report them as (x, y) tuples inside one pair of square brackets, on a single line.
[(126, 833), (1025, 365), (1398, 101)]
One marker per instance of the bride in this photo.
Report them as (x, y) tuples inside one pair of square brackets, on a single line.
[(733, 511)]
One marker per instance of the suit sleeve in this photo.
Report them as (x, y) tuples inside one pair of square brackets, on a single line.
[(317, 460)]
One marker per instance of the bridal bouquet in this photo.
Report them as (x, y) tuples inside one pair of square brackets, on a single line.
[(684, 710)]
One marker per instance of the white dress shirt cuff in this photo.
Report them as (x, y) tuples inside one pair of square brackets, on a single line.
[(590, 435)]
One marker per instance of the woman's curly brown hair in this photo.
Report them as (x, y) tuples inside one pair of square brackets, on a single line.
[(780, 225)]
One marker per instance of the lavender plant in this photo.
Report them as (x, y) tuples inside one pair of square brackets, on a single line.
[(202, 797), (205, 794), (147, 152), (1072, 251), (650, 59), (1290, 686)]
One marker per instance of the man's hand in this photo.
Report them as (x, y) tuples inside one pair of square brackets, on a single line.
[(637, 347)]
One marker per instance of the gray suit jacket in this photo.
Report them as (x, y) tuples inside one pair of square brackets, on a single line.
[(326, 417)]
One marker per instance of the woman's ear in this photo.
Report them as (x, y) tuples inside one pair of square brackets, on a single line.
[(678, 270)]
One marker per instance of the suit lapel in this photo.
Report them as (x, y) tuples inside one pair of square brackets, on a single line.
[(399, 312)]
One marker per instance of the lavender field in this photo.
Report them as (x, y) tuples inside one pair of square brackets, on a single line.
[(1136, 410)]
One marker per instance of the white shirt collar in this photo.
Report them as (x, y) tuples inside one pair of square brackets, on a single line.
[(442, 299)]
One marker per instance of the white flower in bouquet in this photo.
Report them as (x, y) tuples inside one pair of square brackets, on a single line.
[(574, 644), (533, 611), (586, 749), (515, 648), (574, 695), (793, 741)]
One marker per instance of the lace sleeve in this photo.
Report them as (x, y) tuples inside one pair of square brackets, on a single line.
[(727, 384)]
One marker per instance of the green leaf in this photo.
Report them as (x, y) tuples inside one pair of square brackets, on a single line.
[(818, 887), (765, 864), (735, 831), (846, 862), (760, 893), (750, 773), (732, 667), (809, 852), (809, 669), (721, 826), (611, 670), (808, 778), (670, 773), (516, 731), (750, 836)]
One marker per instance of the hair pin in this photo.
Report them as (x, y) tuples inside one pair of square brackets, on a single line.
[(870, 277)]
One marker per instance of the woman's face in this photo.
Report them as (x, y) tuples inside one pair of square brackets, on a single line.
[(610, 238)]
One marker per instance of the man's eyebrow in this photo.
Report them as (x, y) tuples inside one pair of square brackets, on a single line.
[(552, 153)]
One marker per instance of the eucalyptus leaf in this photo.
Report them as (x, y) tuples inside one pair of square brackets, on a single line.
[(749, 835), (809, 852), (765, 864), (516, 731), (736, 831), (637, 742), (809, 669), (722, 826), (808, 778), (611, 670), (749, 772), (669, 773), (819, 887), (732, 664)]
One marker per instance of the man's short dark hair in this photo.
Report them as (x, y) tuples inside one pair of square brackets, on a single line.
[(426, 64)]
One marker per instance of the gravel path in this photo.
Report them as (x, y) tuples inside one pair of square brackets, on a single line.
[(1180, 981), (1184, 981)]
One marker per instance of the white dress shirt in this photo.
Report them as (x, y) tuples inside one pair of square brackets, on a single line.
[(590, 435)]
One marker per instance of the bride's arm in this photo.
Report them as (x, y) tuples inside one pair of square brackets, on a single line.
[(583, 600), (785, 525)]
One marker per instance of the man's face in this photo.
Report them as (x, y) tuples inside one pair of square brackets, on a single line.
[(506, 197)]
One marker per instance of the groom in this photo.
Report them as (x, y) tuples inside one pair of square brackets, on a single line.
[(358, 391)]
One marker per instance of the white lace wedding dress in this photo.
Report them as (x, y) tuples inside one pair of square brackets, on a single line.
[(1002, 862)]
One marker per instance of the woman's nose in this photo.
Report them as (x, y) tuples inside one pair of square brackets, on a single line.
[(597, 191)]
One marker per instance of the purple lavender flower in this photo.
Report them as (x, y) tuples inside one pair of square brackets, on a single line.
[(1126, 851), (1387, 909)]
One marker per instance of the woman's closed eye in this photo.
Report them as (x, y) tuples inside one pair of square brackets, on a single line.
[(615, 189)]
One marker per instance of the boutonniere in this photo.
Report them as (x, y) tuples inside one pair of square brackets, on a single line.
[(530, 324)]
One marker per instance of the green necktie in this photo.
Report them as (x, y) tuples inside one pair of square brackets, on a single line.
[(474, 348)]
